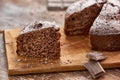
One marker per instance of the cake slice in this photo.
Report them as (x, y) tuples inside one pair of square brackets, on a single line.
[(40, 39), (105, 31), (80, 16)]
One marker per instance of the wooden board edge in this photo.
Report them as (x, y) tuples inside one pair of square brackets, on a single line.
[(1, 31), (63, 69), (5, 46), (54, 70), (5, 51)]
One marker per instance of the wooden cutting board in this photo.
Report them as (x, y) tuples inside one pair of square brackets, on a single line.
[(73, 52)]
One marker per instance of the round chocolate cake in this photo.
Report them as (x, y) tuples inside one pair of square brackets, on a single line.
[(105, 31)]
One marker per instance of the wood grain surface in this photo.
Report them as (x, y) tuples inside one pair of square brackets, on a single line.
[(73, 55), (108, 76), (1, 31), (3, 62), (19, 13)]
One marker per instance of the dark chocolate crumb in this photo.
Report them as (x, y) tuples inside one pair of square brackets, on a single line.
[(39, 25)]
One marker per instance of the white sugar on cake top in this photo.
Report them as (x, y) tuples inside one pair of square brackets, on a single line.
[(80, 5), (115, 2), (39, 25), (108, 22)]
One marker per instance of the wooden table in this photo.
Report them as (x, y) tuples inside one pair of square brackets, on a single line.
[(19, 13)]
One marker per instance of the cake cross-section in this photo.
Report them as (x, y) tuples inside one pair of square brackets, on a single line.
[(105, 31), (80, 16), (41, 39)]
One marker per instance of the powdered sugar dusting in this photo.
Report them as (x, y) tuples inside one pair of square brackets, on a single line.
[(116, 2), (80, 5), (44, 24), (108, 22)]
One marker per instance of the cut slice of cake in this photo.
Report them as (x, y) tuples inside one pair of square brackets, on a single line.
[(105, 32), (41, 39), (80, 16)]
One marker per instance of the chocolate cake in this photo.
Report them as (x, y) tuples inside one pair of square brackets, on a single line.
[(105, 31), (40, 39), (80, 16)]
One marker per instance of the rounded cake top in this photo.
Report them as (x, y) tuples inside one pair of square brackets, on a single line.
[(82, 4), (108, 22), (39, 25)]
